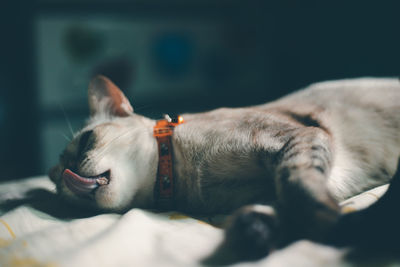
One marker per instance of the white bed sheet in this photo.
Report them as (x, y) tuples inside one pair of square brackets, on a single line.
[(32, 236)]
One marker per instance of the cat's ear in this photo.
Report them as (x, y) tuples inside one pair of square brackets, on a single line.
[(106, 97)]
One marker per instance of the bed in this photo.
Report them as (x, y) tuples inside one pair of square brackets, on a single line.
[(37, 229)]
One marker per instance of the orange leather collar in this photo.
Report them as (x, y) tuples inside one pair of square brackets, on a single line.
[(164, 188)]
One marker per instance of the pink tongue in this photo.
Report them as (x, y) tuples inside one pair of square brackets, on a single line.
[(78, 184)]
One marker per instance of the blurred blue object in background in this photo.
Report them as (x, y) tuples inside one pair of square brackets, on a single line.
[(172, 54)]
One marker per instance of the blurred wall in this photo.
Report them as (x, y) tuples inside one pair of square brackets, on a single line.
[(171, 57)]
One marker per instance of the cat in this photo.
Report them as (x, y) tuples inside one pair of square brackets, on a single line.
[(303, 153)]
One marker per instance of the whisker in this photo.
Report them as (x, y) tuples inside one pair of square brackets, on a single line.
[(65, 137), (67, 120)]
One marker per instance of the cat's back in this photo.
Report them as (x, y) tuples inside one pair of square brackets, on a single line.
[(347, 105), (352, 92), (363, 91)]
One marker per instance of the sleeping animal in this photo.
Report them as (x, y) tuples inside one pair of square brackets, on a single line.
[(283, 166)]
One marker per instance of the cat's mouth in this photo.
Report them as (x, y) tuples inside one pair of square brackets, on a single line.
[(84, 186)]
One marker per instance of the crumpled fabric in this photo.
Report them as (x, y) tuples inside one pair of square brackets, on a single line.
[(36, 230)]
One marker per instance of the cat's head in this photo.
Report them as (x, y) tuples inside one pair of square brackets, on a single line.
[(111, 163)]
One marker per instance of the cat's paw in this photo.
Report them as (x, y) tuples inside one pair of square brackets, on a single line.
[(250, 235)]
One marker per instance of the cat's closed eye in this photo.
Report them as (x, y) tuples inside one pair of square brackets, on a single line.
[(84, 142)]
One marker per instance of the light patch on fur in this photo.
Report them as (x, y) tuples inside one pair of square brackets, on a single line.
[(268, 210)]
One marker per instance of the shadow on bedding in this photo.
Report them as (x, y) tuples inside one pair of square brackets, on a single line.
[(49, 203)]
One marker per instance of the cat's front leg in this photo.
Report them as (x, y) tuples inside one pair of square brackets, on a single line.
[(251, 233), (305, 207)]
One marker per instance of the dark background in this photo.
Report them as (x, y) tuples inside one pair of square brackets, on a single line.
[(263, 50)]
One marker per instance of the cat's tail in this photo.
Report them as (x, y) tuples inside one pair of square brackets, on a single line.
[(376, 227)]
